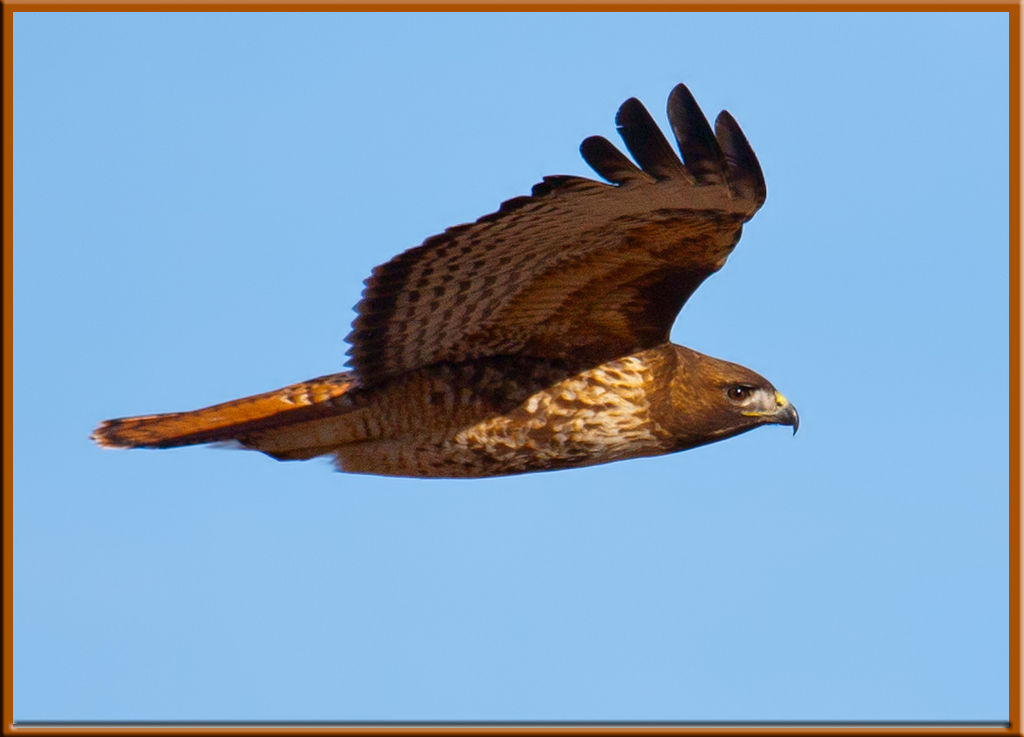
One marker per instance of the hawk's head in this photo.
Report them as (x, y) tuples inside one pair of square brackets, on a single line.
[(713, 399)]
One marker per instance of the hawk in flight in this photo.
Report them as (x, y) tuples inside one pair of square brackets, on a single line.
[(536, 337)]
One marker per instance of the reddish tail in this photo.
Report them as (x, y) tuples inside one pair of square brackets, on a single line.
[(233, 420)]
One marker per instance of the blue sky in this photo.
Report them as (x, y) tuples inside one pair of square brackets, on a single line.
[(197, 200)]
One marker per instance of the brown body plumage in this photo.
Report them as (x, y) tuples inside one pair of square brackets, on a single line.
[(535, 338)]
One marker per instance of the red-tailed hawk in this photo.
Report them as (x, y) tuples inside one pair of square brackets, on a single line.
[(535, 338)]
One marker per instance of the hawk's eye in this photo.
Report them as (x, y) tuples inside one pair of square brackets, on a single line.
[(738, 393)]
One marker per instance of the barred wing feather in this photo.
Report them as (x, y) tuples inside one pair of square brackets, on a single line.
[(579, 269)]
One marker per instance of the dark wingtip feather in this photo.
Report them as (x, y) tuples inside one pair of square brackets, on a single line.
[(646, 142), (608, 161), (742, 168), (701, 153)]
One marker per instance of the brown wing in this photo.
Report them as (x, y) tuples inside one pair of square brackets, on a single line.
[(579, 269)]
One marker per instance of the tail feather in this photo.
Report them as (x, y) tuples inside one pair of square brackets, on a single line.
[(234, 420)]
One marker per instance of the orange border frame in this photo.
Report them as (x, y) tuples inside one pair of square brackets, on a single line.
[(1012, 728)]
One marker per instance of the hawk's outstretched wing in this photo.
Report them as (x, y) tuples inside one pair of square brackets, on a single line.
[(579, 269)]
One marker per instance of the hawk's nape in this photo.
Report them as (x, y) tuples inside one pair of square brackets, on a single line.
[(536, 337)]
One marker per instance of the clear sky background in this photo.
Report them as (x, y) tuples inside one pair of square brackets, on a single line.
[(198, 198)]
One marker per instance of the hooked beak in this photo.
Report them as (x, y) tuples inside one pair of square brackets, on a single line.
[(783, 414)]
